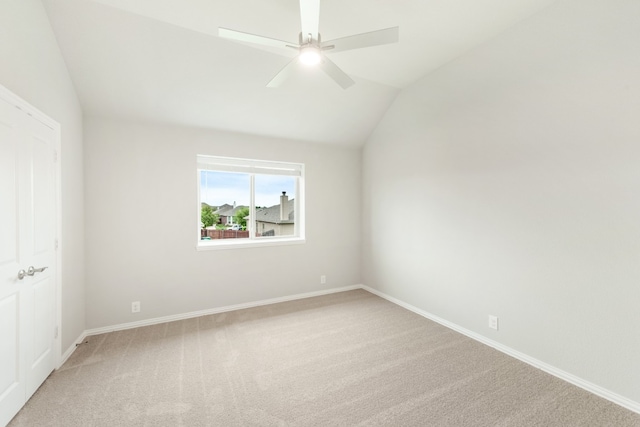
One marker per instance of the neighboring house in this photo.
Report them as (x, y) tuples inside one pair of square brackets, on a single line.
[(277, 220), (226, 213)]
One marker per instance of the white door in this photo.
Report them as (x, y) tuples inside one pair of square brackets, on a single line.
[(27, 245)]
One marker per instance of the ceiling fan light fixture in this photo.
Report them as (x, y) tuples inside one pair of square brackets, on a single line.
[(311, 50), (310, 56)]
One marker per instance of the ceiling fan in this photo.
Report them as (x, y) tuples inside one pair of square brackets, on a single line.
[(311, 49)]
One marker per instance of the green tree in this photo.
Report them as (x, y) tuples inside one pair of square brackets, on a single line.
[(207, 217), (239, 218)]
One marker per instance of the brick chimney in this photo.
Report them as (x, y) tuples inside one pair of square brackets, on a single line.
[(284, 202)]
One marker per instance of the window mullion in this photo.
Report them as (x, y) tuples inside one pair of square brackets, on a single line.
[(252, 207), (296, 208)]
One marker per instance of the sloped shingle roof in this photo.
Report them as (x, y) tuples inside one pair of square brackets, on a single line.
[(228, 210), (272, 214)]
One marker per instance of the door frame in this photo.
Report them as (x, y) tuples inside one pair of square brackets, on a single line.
[(32, 111)]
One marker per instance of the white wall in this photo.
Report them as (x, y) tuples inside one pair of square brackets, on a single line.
[(32, 67), (515, 170), (141, 197)]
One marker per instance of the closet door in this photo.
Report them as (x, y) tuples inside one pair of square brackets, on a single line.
[(27, 256)]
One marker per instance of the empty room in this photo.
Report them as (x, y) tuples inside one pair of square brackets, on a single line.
[(319, 212)]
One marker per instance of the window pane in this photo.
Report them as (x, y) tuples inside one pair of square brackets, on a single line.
[(275, 205), (244, 200), (224, 199)]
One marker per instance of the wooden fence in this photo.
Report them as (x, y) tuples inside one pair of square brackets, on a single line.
[(225, 234)]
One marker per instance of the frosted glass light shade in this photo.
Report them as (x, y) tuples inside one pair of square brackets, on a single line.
[(310, 56)]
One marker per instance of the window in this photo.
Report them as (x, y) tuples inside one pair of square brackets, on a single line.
[(249, 202)]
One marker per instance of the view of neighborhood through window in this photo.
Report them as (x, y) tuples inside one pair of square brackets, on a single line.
[(230, 190)]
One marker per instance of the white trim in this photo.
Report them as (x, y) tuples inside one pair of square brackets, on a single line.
[(172, 318), (206, 245), (23, 105), (59, 242), (234, 164), (559, 373), (67, 354)]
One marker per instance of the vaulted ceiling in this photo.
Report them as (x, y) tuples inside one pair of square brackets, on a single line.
[(162, 61)]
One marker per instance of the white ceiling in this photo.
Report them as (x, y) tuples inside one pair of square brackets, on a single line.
[(161, 60)]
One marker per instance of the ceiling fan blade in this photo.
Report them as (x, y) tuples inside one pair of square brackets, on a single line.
[(336, 73), (252, 38), (373, 38), (284, 74), (310, 18)]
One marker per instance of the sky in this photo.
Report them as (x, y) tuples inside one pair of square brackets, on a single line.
[(218, 188)]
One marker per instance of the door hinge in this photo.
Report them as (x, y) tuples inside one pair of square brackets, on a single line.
[(56, 244), (55, 332)]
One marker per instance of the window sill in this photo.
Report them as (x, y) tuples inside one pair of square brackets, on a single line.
[(246, 243)]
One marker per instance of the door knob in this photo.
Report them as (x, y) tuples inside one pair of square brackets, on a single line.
[(21, 274)]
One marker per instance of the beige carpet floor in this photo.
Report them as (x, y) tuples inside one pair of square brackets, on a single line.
[(344, 359)]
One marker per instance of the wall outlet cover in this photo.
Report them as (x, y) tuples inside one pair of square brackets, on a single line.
[(493, 322)]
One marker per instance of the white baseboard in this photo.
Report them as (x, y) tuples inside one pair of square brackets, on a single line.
[(67, 354), (559, 373), (207, 312)]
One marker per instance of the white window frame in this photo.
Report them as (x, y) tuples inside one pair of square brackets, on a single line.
[(252, 168)]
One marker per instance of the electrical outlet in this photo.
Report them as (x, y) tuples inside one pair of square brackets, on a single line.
[(135, 307), (323, 280), (493, 322)]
